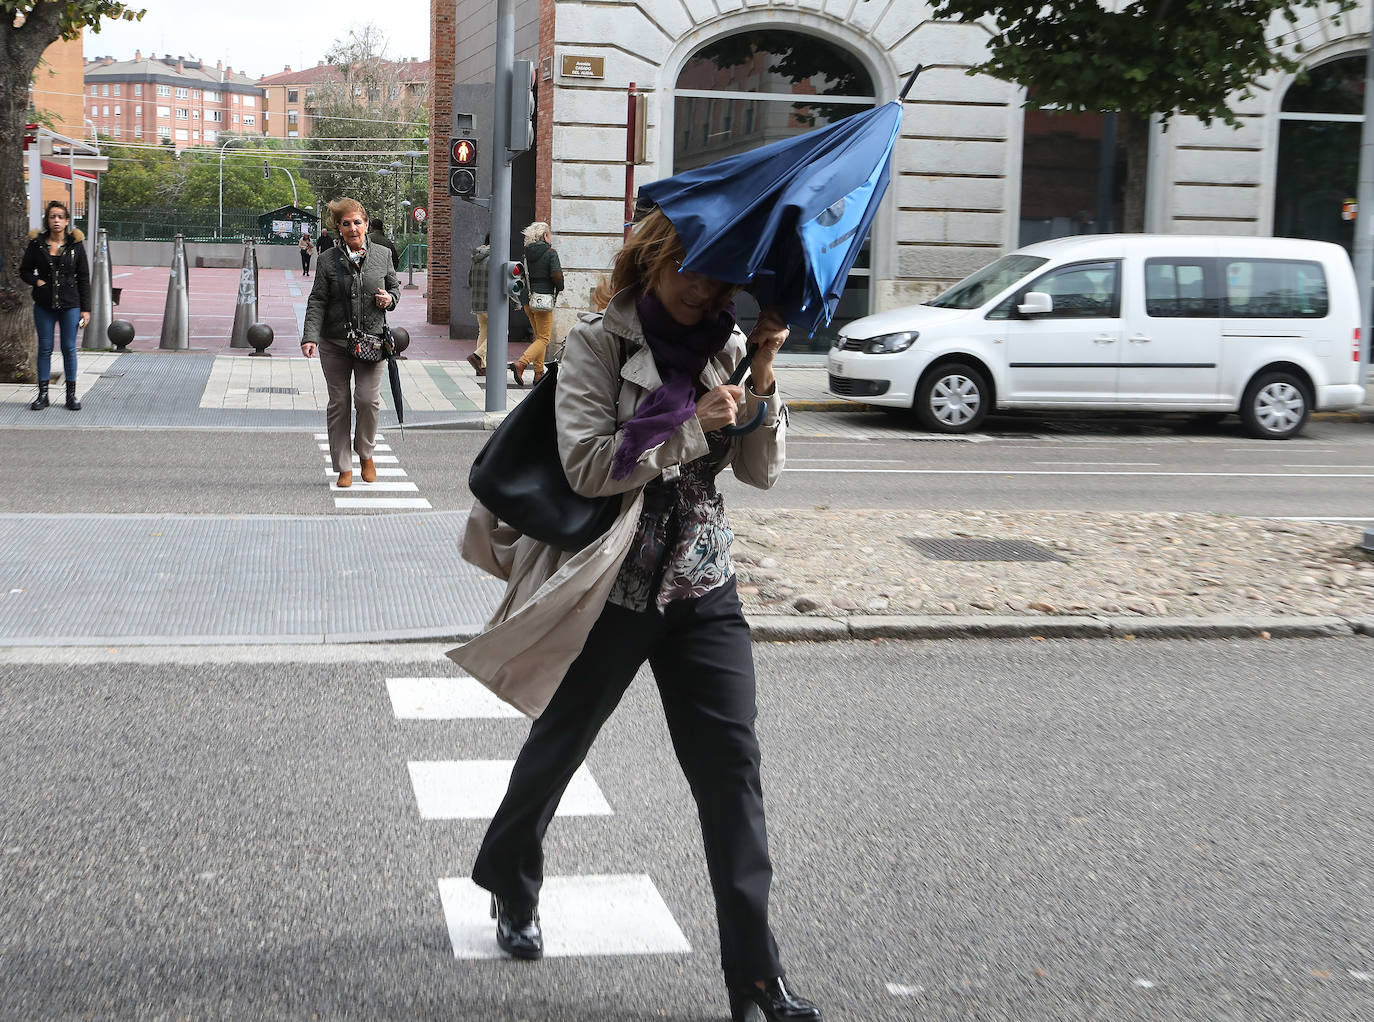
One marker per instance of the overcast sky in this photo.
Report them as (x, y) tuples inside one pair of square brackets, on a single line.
[(259, 37)]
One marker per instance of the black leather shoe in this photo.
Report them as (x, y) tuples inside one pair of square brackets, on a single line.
[(517, 930), (775, 1001)]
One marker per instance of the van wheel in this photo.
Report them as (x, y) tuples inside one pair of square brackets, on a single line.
[(953, 398), (1275, 406)]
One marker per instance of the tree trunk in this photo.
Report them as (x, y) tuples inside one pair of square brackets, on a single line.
[(20, 50), (1137, 135)]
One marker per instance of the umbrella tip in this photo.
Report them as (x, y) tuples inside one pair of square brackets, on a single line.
[(910, 82)]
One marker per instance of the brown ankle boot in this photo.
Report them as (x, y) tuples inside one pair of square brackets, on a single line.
[(369, 470), (345, 480)]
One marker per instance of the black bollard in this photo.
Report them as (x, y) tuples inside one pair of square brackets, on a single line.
[(260, 337), (121, 334)]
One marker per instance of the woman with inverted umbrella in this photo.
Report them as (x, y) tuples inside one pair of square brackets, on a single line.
[(643, 408)]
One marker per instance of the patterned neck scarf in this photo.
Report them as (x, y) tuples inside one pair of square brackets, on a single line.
[(681, 353)]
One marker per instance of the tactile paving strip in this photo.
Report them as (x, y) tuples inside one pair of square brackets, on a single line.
[(86, 579)]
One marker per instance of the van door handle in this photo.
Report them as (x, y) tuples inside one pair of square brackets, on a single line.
[(1140, 339), (1105, 339)]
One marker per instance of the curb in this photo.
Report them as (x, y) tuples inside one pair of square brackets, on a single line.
[(799, 628), (779, 628)]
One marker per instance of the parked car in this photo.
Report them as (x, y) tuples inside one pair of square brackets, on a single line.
[(1266, 327)]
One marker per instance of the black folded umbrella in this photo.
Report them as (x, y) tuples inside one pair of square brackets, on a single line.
[(400, 340)]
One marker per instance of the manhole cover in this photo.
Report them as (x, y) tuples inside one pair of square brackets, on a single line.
[(274, 390), (941, 549)]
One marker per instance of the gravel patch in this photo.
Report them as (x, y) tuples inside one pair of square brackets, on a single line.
[(1118, 565)]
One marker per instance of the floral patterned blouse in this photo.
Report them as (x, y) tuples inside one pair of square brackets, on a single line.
[(681, 548)]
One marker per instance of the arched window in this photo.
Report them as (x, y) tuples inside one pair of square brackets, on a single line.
[(745, 90), (1319, 152)]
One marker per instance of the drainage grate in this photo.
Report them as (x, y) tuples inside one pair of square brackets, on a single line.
[(940, 549), (274, 390)]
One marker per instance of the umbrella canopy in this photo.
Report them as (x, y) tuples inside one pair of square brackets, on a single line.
[(787, 219), (393, 373)]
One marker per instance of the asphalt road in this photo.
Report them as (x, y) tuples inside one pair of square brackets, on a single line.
[(834, 460), (1014, 831)]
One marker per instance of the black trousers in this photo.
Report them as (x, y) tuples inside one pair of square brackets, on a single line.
[(700, 653)]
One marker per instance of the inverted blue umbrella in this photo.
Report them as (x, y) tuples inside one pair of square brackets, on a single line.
[(788, 219)]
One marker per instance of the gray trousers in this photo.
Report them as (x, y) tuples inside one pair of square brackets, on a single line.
[(350, 383)]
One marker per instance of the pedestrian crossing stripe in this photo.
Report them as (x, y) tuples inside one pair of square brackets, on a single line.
[(325, 436), (472, 789), (581, 915), (383, 503), (380, 459), (445, 699), (393, 487), (381, 471)]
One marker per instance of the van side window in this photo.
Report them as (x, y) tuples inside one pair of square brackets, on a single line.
[(1274, 289), (1079, 291), (1177, 288)]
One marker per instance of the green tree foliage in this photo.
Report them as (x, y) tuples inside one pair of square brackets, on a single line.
[(27, 28), (361, 121), (1165, 57)]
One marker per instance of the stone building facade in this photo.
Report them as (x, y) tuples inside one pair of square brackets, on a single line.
[(974, 173)]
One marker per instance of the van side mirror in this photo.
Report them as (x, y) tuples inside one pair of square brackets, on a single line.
[(1035, 303)]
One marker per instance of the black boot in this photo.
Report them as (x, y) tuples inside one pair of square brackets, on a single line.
[(41, 401), (72, 403), (517, 930), (775, 1001)]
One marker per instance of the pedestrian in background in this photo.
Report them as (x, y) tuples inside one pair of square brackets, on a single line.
[(479, 279), (54, 265), (376, 235), (643, 397), (544, 278), (355, 283), (325, 242), (307, 247)]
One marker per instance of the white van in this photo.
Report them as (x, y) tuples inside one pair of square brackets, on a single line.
[(1267, 327)]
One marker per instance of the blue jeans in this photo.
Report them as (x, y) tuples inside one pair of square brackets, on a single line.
[(46, 320)]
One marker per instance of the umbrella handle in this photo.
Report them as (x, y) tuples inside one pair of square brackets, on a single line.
[(735, 378), (910, 82)]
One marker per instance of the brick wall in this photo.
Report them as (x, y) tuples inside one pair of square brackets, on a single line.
[(442, 49), (543, 122)]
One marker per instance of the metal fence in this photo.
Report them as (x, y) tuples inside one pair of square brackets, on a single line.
[(162, 223)]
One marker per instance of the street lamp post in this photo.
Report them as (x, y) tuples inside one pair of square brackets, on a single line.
[(410, 209), (384, 173), (396, 167), (226, 142)]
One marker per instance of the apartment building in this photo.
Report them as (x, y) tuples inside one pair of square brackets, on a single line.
[(170, 100), (289, 96)]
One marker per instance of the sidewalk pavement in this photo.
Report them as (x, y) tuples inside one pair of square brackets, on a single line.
[(138, 580)]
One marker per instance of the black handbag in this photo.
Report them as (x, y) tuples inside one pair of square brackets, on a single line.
[(519, 477)]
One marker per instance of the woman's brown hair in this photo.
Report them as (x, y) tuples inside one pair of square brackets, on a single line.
[(338, 207), (47, 229), (653, 248)]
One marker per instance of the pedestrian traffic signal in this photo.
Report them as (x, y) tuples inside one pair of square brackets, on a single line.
[(266, 171), (462, 167), (513, 278)]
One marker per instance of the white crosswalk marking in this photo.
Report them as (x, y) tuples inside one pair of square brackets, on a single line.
[(471, 789), (581, 915), (445, 699), (380, 459), (384, 503), (393, 487), (382, 470)]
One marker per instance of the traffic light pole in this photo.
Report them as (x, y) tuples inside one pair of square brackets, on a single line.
[(498, 305)]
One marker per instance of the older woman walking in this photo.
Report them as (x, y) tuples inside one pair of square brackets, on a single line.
[(354, 286), (643, 399)]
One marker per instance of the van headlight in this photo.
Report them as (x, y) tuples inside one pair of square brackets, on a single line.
[(889, 344)]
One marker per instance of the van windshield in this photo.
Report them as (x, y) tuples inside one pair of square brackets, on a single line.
[(988, 283)]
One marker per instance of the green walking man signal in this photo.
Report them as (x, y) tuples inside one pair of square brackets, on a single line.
[(462, 167)]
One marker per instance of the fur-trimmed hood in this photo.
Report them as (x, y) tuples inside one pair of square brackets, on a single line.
[(73, 235)]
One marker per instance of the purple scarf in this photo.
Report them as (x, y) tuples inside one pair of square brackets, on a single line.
[(681, 353)]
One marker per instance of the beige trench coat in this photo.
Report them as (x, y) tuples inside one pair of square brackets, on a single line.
[(554, 597)]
